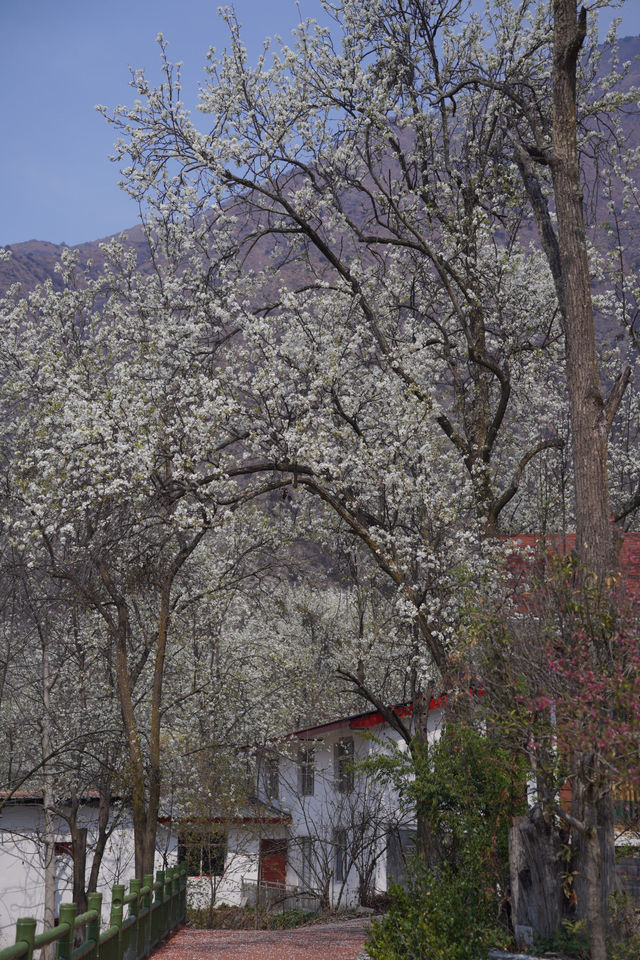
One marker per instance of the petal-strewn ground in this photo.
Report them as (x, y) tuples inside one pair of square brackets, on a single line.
[(342, 940)]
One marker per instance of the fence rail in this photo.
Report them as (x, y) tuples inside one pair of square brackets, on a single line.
[(154, 910), (277, 896)]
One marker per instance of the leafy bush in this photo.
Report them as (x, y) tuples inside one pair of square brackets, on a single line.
[(289, 919), (244, 918), (466, 789), (442, 916), (625, 922), (570, 941)]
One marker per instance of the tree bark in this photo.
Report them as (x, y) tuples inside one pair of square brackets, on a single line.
[(537, 900), (591, 416), (104, 808), (79, 896), (589, 421), (48, 952), (594, 911)]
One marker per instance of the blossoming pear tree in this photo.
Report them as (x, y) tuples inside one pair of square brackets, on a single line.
[(115, 420)]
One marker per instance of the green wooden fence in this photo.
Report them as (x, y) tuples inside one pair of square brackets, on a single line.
[(154, 910)]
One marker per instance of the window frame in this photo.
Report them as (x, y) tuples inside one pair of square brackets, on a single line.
[(306, 862), (341, 865), (344, 756), (271, 776), (307, 770), (201, 850)]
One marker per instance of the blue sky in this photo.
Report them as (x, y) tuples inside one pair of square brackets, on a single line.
[(61, 57)]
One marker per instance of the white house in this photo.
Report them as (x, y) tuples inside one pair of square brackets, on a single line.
[(22, 869), (320, 831)]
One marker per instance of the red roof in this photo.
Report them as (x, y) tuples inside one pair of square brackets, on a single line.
[(360, 721)]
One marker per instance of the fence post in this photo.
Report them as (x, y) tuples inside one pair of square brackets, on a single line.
[(168, 902), (117, 909), (148, 899), (177, 897), (93, 927), (158, 914), (25, 932), (65, 944), (134, 887), (183, 888), (134, 911)]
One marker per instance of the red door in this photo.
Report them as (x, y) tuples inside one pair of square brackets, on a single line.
[(273, 862)]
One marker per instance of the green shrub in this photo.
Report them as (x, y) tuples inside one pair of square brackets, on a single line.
[(466, 789), (441, 916), (625, 924), (571, 940), (289, 919), (224, 917)]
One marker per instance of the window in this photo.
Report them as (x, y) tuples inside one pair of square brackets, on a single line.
[(203, 853), (340, 844), (271, 775), (307, 762), (306, 856), (400, 847), (343, 765)]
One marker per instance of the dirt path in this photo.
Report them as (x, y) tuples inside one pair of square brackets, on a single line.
[(342, 940)]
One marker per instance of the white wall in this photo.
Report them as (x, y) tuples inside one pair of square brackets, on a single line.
[(22, 867), (328, 810)]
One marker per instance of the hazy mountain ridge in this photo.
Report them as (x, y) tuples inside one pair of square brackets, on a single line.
[(33, 261)]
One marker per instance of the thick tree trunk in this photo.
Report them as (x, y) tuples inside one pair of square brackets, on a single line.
[(48, 952), (79, 848), (607, 841), (590, 416), (594, 912), (79, 852), (594, 535), (537, 900), (599, 811)]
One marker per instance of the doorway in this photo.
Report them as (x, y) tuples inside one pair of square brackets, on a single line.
[(273, 862)]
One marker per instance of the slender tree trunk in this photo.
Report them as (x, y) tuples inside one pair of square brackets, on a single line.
[(426, 846), (136, 762), (154, 733), (79, 848), (104, 809), (48, 953)]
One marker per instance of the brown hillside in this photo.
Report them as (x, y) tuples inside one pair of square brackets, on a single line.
[(34, 261)]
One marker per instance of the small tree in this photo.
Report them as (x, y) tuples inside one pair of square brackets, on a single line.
[(567, 699), (467, 789)]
